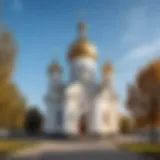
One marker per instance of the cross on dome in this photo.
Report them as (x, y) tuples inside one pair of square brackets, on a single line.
[(82, 29)]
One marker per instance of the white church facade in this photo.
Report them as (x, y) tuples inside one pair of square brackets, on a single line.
[(81, 106)]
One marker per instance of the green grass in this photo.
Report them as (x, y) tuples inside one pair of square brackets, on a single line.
[(142, 148), (8, 146)]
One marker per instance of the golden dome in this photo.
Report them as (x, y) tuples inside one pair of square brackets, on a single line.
[(82, 47), (107, 68), (55, 68)]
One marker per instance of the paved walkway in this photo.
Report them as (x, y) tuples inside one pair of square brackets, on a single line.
[(89, 150), (65, 146)]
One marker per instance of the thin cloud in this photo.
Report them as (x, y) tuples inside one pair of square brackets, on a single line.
[(143, 52), (141, 38), (138, 57), (18, 5)]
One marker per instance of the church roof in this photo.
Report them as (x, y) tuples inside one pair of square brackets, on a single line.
[(107, 68), (82, 47), (55, 68)]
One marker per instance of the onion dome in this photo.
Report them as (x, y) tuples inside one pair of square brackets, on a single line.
[(107, 68), (82, 47), (55, 68)]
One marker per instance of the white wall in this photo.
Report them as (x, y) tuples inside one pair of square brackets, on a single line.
[(98, 125), (70, 118), (72, 109), (83, 68), (50, 125)]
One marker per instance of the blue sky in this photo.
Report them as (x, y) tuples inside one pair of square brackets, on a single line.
[(127, 32)]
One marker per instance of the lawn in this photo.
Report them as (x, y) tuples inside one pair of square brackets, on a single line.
[(142, 148), (8, 146)]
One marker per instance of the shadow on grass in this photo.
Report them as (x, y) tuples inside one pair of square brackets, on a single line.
[(4, 155)]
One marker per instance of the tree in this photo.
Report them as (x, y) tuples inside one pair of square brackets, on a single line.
[(12, 103), (135, 101), (125, 125), (146, 106), (8, 50), (33, 121), (12, 108), (148, 81)]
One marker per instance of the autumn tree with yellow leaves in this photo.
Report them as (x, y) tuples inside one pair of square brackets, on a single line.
[(145, 104), (12, 103)]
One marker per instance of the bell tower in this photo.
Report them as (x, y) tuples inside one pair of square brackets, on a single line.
[(107, 75), (54, 99)]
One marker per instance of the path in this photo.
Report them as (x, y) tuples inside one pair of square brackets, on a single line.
[(89, 150)]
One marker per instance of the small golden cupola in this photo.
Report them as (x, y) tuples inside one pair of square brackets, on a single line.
[(108, 68), (55, 68), (82, 47)]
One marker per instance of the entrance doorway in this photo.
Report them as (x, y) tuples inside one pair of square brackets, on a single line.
[(82, 125)]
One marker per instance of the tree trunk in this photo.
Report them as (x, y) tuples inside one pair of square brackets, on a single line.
[(153, 119)]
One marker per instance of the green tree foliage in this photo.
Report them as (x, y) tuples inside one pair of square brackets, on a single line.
[(12, 103), (33, 121)]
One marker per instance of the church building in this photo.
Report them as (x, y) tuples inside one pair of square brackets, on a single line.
[(81, 106)]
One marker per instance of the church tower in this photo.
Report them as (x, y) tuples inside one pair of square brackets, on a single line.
[(53, 99), (107, 76), (55, 74), (82, 57)]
